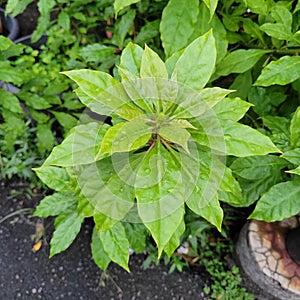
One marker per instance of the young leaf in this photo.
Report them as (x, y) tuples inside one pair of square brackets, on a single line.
[(178, 17), (152, 65), (116, 245), (55, 204), (131, 58), (280, 202), (174, 133), (295, 129), (192, 105), (125, 137), (65, 232), (239, 61), (196, 65), (100, 257), (107, 92), (242, 140), (283, 71)]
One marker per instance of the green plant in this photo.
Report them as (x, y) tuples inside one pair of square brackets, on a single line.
[(226, 280), (163, 155)]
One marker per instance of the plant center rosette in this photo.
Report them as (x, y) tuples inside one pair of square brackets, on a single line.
[(161, 153)]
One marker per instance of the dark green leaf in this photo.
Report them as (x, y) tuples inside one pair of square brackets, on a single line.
[(280, 202), (283, 71)]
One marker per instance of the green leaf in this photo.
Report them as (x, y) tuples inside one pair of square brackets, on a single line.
[(108, 93), (107, 190), (280, 129), (257, 167), (177, 24), (79, 147), (282, 15), (120, 4), (292, 156), (295, 171), (205, 23), (152, 65), (295, 129), (160, 194), (45, 137), (55, 204), (174, 133), (196, 65), (10, 74), (211, 5), (100, 257), (16, 7), (239, 61), (242, 140), (103, 222), (122, 27), (116, 245), (174, 241), (66, 120), (10, 102), (97, 53), (64, 21), (65, 232), (280, 202), (229, 190), (242, 84), (260, 7), (136, 234), (148, 32), (231, 109), (192, 105), (84, 207), (55, 178), (211, 211), (278, 31), (125, 137), (264, 99), (131, 58), (283, 71)]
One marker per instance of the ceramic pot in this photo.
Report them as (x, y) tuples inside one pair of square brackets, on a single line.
[(9, 25)]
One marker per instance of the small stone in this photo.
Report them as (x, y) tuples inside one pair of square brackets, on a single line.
[(290, 223), (262, 264), (259, 257), (272, 263), (253, 226), (34, 290), (283, 281), (295, 285), (268, 272)]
